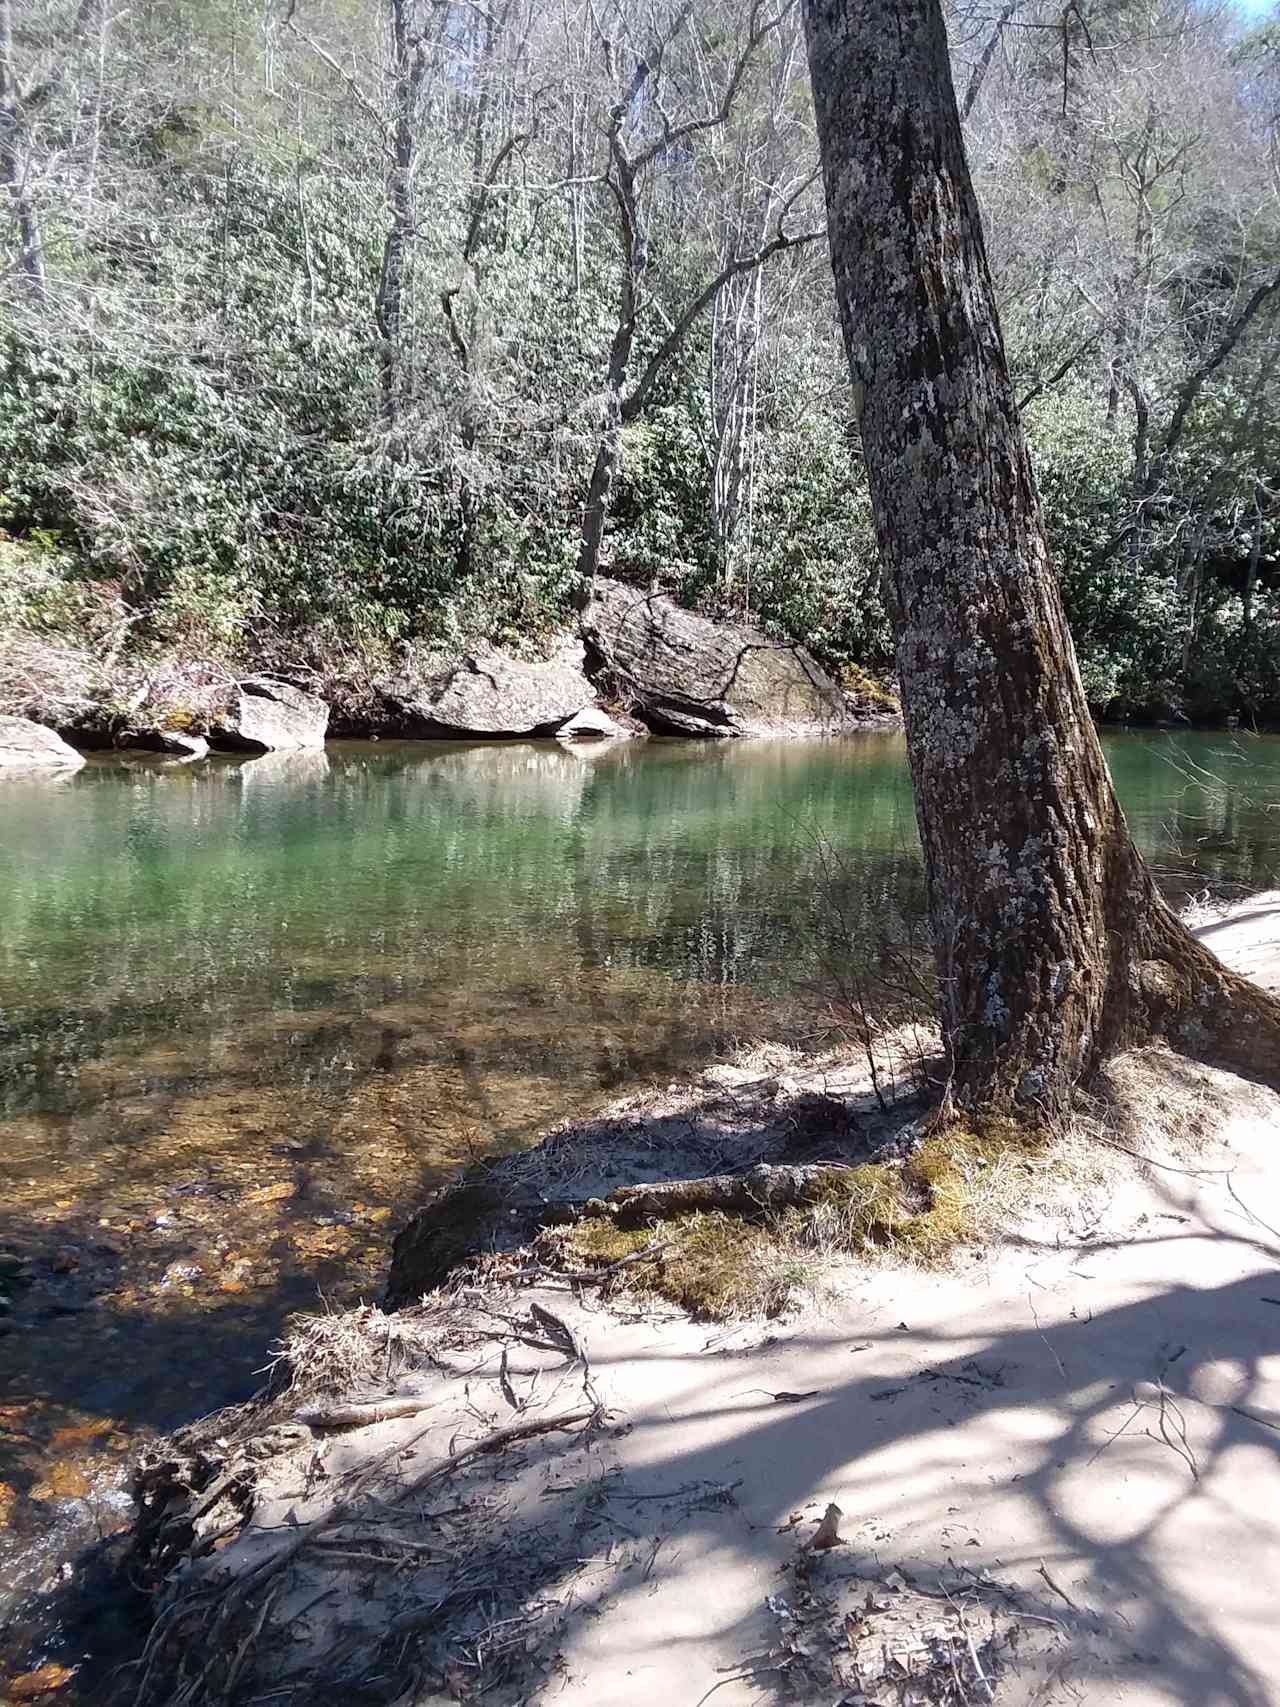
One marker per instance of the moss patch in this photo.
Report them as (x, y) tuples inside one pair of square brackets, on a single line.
[(926, 1205), (718, 1265), (868, 689), (715, 1265)]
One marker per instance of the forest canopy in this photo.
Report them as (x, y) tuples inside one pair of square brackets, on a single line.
[(320, 316)]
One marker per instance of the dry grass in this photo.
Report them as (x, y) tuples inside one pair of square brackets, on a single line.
[(948, 1192), (714, 1265), (353, 1351)]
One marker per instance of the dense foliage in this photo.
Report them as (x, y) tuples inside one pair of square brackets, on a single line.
[(309, 312)]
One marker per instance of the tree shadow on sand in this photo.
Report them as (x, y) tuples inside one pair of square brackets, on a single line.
[(1110, 1470)]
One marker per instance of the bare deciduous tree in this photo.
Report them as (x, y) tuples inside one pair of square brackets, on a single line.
[(642, 137)]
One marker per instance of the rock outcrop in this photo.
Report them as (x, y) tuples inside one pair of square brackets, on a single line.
[(683, 674), (488, 694), (28, 746), (271, 716)]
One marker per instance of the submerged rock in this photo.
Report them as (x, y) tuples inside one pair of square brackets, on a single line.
[(271, 716), (684, 674), (26, 746), (488, 694)]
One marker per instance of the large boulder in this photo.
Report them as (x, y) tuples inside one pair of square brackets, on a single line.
[(683, 674), (271, 716), (28, 746), (487, 694)]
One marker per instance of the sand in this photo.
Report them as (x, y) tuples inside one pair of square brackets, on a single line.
[(1247, 937), (1055, 1465)]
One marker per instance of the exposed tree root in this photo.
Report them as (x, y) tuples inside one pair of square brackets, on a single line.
[(231, 1615), (763, 1188), (1202, 1008)]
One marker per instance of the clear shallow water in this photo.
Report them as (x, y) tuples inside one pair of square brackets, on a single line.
[(250, 1010)]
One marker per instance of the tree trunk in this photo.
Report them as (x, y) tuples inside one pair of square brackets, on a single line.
[(406, 76), (15, 164), (604, 472), (1251, 574), (1052, 944)]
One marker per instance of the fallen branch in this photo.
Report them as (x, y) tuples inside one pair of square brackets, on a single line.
[(360, 1415)]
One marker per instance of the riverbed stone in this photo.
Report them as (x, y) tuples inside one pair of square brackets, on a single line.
[(272, 716), (26, 746), (488, 694), (684, 674)]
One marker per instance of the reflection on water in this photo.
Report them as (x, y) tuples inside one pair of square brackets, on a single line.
[(249, 1010)]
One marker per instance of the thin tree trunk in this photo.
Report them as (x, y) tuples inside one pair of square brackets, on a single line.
[(635, 259), (406, 73), (978, 76), (1052, 943), (92, 25), (1192, 583), (1251, 574), (604, 472), (15, 164)]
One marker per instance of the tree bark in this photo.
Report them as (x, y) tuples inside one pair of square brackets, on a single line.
[(1053, 946)]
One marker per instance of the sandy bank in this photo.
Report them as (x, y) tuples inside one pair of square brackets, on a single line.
[(1246, 937), (1054, 1465)]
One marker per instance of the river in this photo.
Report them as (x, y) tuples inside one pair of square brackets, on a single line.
[(251, 1009)]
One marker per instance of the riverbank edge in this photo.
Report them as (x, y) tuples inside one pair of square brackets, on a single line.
[(112, 703), (338, 1384), (633, 663)]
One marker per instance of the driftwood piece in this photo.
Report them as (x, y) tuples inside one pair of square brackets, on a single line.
[(334, 1417)]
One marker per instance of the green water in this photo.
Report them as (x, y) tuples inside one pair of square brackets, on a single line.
[(593, 911), (250, 1010)]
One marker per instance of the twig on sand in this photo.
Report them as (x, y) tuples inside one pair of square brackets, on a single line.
[(979, 1675), (1252, 1214), (1252, 1416), (255, 1580), (1062, 1368), (737, 1677), (559, 1330), (333, 1417), (1057, 1587)]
